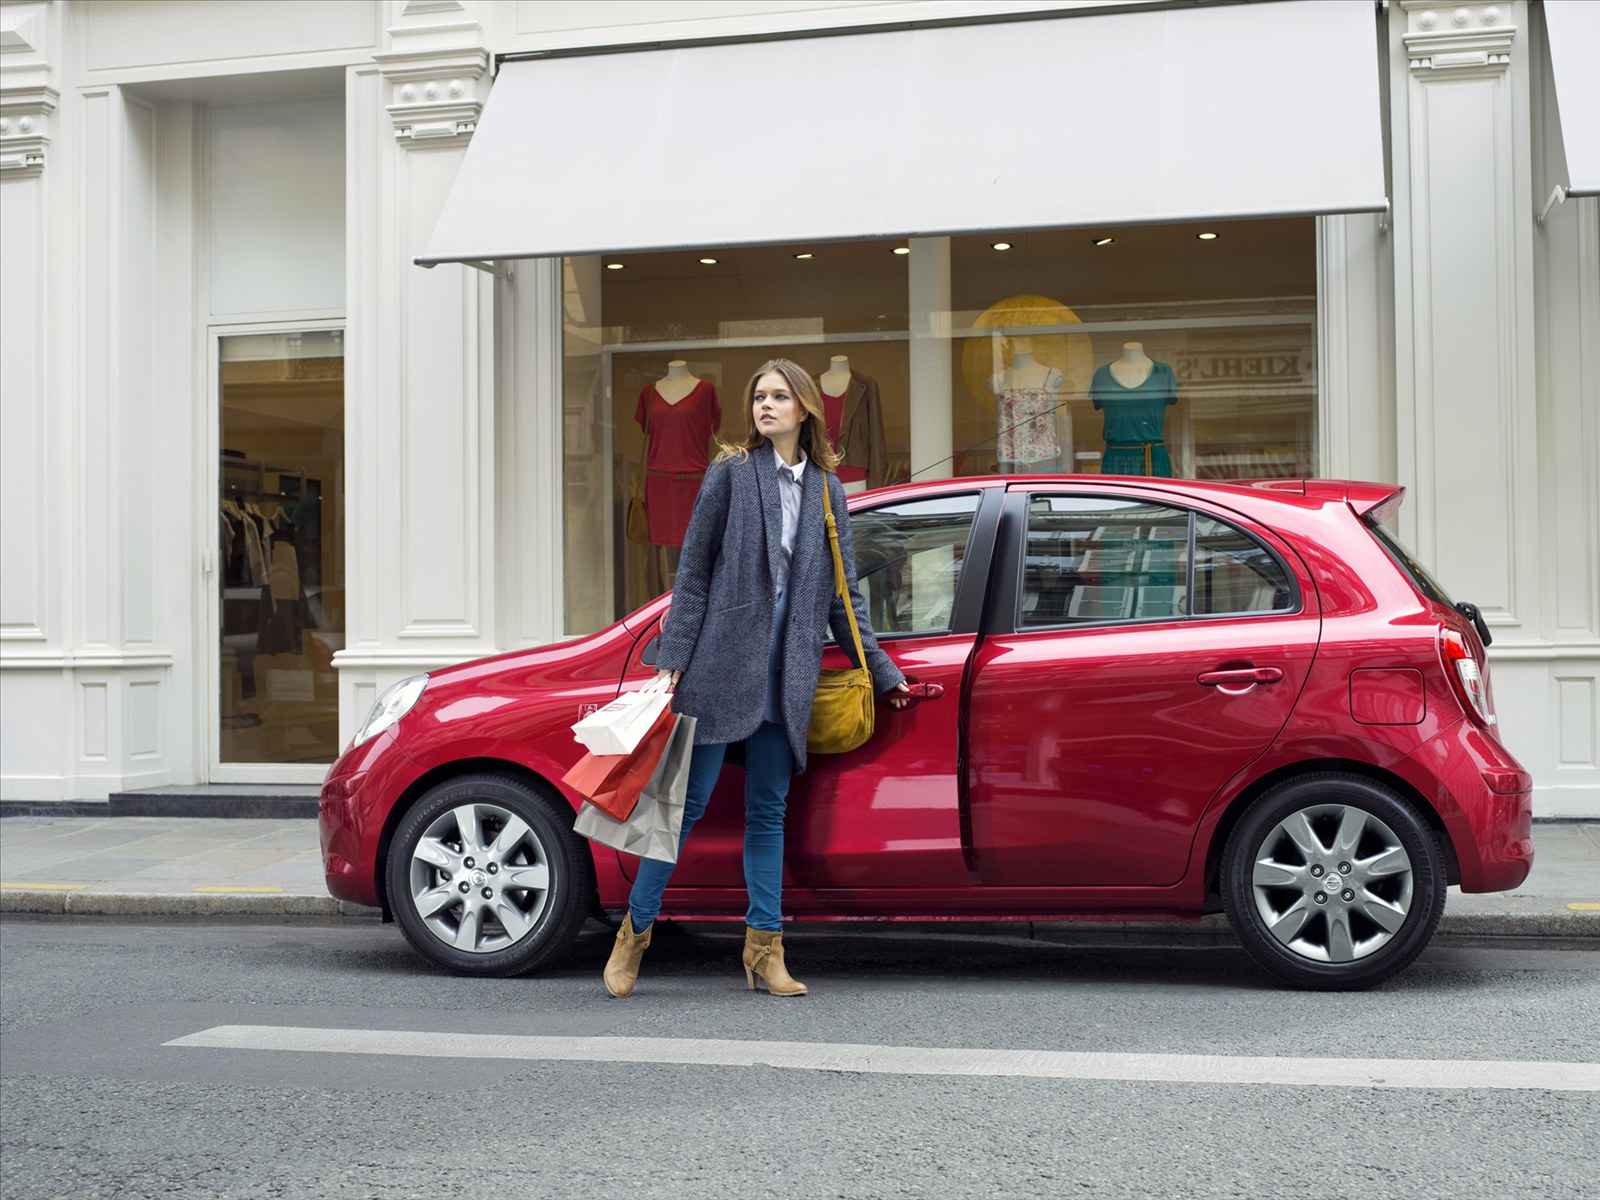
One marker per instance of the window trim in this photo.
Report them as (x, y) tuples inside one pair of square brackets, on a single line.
[(1017, 543)]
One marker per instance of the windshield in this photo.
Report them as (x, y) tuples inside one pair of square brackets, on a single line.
[(1415, 571)]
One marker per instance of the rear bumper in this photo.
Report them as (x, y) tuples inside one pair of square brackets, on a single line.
[(1485, 799)]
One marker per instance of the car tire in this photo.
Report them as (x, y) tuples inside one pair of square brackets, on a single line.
[(1333, 882), (486, 877)]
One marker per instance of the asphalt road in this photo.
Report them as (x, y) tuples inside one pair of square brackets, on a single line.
[(330, 1061)]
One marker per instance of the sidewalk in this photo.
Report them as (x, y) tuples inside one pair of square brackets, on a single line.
[(201, 867)]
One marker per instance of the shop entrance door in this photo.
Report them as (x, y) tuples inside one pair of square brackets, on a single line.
[(277, 581)]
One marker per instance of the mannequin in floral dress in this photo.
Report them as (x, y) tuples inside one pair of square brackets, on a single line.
[(1027, 397)]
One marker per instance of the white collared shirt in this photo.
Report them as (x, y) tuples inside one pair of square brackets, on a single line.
[(789, 493)]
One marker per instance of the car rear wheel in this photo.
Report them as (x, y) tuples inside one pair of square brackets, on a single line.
[(486, 877), (1333, 881)]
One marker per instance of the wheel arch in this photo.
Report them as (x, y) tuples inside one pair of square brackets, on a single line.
[(1240, 803), (442, 773)]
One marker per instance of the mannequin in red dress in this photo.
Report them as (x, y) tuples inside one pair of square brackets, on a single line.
[(679, 414)]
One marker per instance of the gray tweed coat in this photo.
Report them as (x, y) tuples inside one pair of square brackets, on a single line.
[(720, 624)]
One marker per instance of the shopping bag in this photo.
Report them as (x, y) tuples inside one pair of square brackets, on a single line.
[(652, 828), (620, 726), (612, 782)]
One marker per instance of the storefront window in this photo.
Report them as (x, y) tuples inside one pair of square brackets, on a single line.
[(1155, 350)]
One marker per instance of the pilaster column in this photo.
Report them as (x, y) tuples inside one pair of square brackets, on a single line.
[(1466, 437), (33, 694), (420, 366)]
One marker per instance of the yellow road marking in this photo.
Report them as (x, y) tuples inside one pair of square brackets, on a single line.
[(1584, 907), (43, 887), (249, 890)]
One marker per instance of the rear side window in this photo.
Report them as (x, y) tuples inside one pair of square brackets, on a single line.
[(1234, 573), (1095, 559), (1409, 566)]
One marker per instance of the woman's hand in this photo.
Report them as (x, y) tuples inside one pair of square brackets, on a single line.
[(898, 700), (670, 678)]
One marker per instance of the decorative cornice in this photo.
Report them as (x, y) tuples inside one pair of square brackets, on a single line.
[(25, 117), (1461, 38), (435, 97)]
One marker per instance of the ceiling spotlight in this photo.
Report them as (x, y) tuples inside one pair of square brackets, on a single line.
[(613, 266), (803, 257), (1105, 241), (1206, 237), (1001, 246), (710, 262), (902, 249)]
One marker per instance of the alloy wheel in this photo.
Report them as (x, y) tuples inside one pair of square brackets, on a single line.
[(1332, 883), (479, 878)]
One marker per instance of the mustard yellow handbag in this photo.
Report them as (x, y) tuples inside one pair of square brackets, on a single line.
[(842, 712)]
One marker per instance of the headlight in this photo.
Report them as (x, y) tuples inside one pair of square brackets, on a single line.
[(395, 703)]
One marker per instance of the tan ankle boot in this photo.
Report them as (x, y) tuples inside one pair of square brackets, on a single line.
[(622, 968), (763, 958)]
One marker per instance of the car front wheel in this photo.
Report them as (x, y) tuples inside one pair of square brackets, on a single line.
[(1333, 881), (486, 877)]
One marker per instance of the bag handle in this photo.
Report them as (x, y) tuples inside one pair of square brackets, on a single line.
[(840, 588)]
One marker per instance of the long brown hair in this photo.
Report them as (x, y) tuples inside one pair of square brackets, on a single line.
[(813, 428)]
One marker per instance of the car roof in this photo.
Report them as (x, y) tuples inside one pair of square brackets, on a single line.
[(1252, 495)]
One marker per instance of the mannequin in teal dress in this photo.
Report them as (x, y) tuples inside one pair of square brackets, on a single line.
[(1134, 393)]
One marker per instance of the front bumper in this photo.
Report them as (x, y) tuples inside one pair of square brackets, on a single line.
[(352, 809)]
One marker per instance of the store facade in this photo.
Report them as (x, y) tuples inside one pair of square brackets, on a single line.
[(259, 463)]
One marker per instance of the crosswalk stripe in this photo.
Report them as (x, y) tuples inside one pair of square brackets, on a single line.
[(914, 1060)]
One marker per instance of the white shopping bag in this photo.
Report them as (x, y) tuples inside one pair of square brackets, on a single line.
[(620, 726)]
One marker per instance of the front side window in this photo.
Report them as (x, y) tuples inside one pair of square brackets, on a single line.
[(908, 562), (1091, 560)]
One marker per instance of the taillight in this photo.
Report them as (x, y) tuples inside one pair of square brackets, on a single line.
[(1462, 667)]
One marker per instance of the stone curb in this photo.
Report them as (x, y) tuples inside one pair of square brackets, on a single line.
[(1211, 929), (167, 904)]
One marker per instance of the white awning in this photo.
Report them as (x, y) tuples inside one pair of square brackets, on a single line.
[(1117, 118), (1574, 30)]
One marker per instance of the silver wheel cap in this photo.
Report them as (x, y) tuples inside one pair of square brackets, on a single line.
[(1332, 883), (479, 878)]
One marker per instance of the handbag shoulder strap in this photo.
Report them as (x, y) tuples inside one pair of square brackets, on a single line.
[(840, 587), (644, 446)]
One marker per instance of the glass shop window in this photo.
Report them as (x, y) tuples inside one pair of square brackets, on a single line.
[(1175, 350)]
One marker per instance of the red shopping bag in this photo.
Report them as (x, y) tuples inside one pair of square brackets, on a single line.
[(612, 782)]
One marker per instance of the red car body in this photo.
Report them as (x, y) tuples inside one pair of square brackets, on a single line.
[(1074, 772)]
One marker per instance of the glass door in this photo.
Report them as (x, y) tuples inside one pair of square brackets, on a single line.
[(279, 578)]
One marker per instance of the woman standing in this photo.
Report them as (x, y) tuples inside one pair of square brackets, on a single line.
[(755, 568)]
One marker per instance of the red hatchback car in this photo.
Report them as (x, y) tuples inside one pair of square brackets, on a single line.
[(1159, 698)]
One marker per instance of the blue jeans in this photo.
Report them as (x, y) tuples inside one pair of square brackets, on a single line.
[(768, 767)]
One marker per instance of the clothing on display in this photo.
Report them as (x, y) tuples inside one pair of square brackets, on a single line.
[(1027, 422), (854, 419), (676, 455), (1135, 420)]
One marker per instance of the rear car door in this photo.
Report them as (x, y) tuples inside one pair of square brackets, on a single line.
[(1140, 651)]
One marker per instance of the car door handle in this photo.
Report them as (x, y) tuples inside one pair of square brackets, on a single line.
[(918, 693), (1241, 677)]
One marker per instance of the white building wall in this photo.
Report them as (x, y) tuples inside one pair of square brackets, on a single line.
[(1456, 355)]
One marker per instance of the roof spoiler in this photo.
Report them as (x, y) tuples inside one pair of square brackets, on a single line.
[(1379, 501)]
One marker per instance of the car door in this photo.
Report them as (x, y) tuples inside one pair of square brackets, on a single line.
[(888, 814), (1141, 651)]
